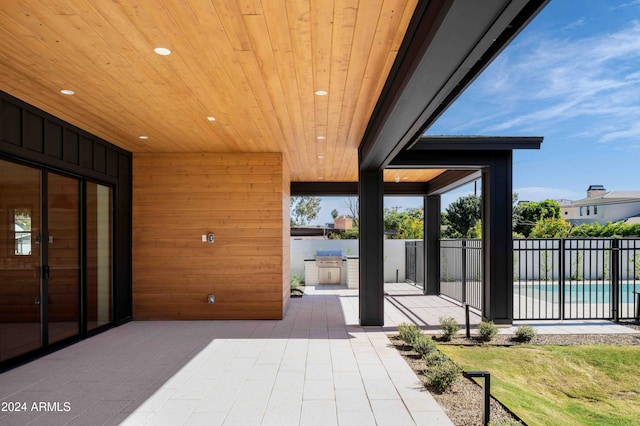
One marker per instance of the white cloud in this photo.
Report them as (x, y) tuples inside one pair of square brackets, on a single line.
[(628, 133), (591, 79)]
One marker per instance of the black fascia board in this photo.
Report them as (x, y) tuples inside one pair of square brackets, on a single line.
[(350, 189), (441, 159), (324, 188), (475, 143), (447, 45)]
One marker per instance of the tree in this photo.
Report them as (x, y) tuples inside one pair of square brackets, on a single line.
[(335, 214), (526, 215), (304, 209), (461, 216), (409, 224), (550, 227)]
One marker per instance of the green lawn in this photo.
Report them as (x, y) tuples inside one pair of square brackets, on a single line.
[(561, 385)]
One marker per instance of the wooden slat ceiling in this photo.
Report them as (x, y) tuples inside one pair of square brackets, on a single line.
[(254, 65)]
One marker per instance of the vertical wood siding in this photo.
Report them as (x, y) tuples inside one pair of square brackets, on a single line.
[(243, 200)]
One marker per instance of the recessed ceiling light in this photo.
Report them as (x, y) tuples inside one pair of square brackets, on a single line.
[(143, 137), (320, 177), (321, 92), (321, 137), (320, 156), (67, 92), (163, 51), (211, 118)]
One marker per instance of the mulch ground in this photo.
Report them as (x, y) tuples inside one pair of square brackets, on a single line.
[(463, 401)]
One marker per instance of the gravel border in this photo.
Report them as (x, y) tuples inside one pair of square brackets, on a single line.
[(463, 401)]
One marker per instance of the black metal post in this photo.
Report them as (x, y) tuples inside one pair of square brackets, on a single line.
[(486, 392), (371, 294), (615, 278), (464, 271), (561, 277), (466, 320), (432, 245)]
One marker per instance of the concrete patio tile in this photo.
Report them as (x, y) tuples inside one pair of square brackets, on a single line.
[(391, 413), (380, 389), (98, 413), (318, 371), (130, 419), (205, 419), (154, 402), (431, 418), (193, 389), (174, 412), (318, 389), (352, 400), (349, 418), (246, 413), (318, 413), (255, 390), (283, 410), (347, 380)]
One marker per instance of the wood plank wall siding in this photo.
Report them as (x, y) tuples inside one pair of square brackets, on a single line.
[(244, 200)]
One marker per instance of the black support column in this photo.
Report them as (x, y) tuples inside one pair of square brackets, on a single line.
[(371, 195), (432, 244), (497, 241)]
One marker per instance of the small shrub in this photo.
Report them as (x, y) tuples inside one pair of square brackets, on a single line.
[(296, 281), (487, 330), (409, 332), (435, 357), (449, 328), (424, 345), (524, 333), (442, 376)]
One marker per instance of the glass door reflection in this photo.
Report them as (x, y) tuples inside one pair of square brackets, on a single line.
[(20, 260), (63, 257), (99, 254)]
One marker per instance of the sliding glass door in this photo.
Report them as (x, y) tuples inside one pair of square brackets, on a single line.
[(20, 260), (99, 229), (55, 258), (62, 264)]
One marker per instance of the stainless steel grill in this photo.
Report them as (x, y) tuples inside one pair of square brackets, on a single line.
[(329, 263)]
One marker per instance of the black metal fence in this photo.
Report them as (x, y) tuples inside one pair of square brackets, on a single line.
[(461, 270), (590, 278), (572, 278), (414, 261)]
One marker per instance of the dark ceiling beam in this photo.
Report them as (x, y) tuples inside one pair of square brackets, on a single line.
[(447, 45), (452, 179)]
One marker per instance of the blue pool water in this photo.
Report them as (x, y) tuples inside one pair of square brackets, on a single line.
[(576, 293)]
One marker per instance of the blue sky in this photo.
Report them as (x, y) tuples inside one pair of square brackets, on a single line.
[(573, 77)]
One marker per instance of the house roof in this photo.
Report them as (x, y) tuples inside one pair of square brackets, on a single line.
[(611, 196), (256, 67)]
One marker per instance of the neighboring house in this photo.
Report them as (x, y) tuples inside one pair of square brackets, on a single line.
[(602, 206), (343, 223)]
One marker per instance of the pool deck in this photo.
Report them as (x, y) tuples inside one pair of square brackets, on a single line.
[(317, 366)]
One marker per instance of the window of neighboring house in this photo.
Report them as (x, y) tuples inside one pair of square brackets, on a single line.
[(581, 210), (22, 231), (595, 209), (588, 210)]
